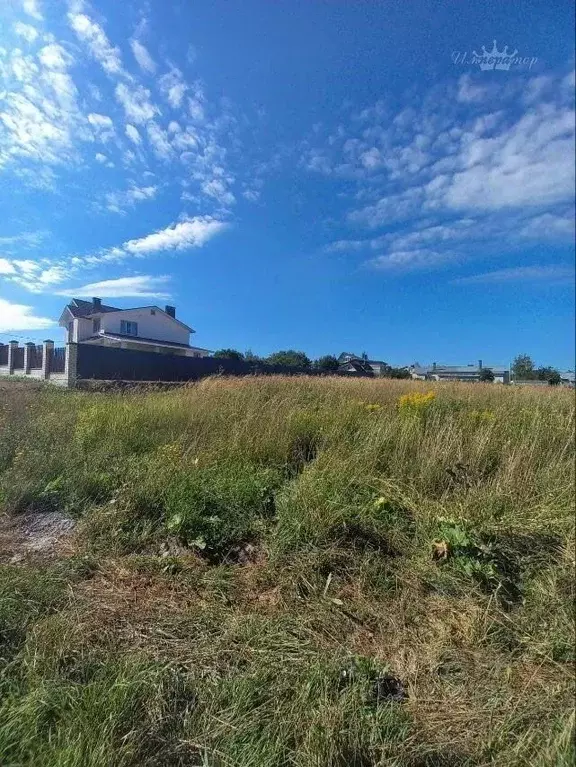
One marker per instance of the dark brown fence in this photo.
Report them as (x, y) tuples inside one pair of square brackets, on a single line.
[(35, 357), (58, 360), (18, 358), (108, 364)]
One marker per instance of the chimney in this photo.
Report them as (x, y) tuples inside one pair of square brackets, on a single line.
[(96, 304), (171, 311), (479, 364)]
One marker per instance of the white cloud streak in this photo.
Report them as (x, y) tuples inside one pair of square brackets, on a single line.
[(141, 286), (186, 234), (555, 274), (31, 7), (26, 31), (144, 59), (21, 317), (95, 39)]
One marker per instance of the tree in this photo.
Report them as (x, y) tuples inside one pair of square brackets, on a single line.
[(229, 354), (546, 373), (399, 373), (554, 378), (523, 367), (249, 356), (289, 357), (487, 375), (328, 363)]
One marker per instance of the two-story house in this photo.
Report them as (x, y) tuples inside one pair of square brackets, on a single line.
[(144, 328)]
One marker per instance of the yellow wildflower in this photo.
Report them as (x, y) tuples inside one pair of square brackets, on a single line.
[(416, 401)]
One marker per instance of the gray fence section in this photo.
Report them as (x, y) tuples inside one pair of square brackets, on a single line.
[(58, 360), (35, 357), (108, 364), (18, 358)]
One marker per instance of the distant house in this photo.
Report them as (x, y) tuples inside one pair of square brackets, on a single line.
[(436, 372), (144, 328), (567, 378), (355, 363)]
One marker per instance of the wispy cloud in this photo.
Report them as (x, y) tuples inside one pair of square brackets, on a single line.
[(26, 239), (535, 274), (472, 167), (173, 87), (421, 259), (21, 317), (26, 31), (187, 234), (141, 286), (136, 102), (32, 8), (133, 134), (95, 39), (38, 276), (117, 202), (144, 59), (6, 266)]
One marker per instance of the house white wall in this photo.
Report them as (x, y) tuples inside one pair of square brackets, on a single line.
[(81, 329), (158, 325)]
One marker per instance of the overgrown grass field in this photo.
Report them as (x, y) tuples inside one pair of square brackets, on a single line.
[(290, 572)]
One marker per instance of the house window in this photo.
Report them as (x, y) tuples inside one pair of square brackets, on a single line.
[(152, 311), (129, 328), (96, 325)]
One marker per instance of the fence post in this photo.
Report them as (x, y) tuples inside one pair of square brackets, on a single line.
[(71, 366), (28, 347), (12, 346), (47, 349)]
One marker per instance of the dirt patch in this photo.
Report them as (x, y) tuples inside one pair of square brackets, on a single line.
[(33, 535)]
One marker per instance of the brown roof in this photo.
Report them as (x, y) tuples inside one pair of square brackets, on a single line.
[(80, 308)]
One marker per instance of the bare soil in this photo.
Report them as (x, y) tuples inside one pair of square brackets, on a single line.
[(33, 535)]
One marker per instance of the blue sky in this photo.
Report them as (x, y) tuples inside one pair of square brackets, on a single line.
[(318, 175)]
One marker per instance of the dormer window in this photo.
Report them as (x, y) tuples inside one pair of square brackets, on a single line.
[(128, 328)]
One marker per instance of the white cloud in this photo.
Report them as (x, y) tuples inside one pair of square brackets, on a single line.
[(28, 239), (550, 226), (40, 115), (117, 202), (142, 286), (54, 56), (173, 87), (102, 125), (26, 31), (218, 189), (159, 140), (32, 9), (133, 135), (92, 34), (136, 103), (6, 266), (188, 234), (145, 61), (101, 158), (411, 260), (53, 275), (537, 274), (21, 317)]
